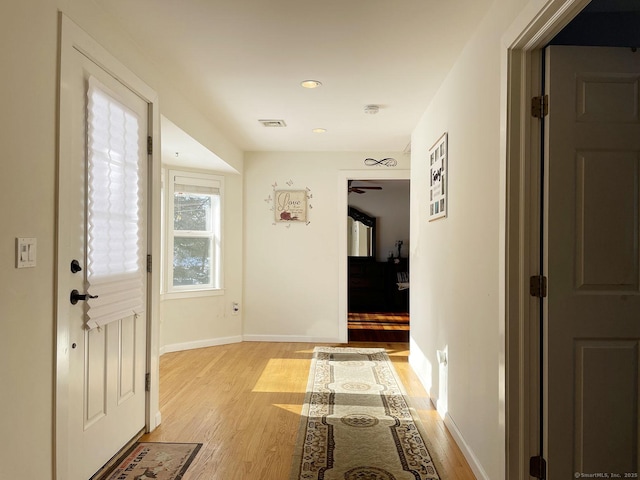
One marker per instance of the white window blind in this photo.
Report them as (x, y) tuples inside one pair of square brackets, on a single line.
[(115, 267), (181, 187)]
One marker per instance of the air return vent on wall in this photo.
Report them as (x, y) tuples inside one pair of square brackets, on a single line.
[(273, 123)]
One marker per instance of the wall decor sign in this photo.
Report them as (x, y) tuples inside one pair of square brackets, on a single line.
[(290, 205), (387, 162), (438, 173)]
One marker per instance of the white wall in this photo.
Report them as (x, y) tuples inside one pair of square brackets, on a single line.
[(28, 44), (28, 54), (455, 261), (291, 274), (195, 322)]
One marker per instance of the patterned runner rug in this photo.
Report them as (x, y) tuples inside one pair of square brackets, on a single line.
[(154, 460), (356, 423)]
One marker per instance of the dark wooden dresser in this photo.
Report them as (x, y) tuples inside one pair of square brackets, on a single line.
[(373, 285)]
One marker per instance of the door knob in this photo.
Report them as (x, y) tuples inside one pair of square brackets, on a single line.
[(76, 296)]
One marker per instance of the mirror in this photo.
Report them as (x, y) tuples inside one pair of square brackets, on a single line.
[(361, 234)]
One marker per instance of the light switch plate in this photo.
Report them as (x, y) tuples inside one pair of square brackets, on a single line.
[(25, 252)]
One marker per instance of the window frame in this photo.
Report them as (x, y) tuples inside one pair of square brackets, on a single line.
[(197, 179)]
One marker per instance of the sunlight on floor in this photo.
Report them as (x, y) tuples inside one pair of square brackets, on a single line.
[(397, 353), (297, 409)]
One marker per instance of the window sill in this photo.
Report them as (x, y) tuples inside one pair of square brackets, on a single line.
[(191, 294)]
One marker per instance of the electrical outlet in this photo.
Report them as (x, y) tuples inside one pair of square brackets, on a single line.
[(235, 308), (442, 357)]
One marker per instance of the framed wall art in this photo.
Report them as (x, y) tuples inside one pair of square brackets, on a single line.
[(290, 206), (438, 176)]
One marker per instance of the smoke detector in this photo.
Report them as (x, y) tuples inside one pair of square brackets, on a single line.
[(371, 109)]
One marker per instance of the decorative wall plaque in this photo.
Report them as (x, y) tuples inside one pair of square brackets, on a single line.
[(438, 173), (290, 205)]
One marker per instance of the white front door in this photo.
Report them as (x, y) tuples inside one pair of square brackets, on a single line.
[(592, 326), (101, 252)]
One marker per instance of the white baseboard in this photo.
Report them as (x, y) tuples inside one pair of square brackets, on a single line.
[(423, 369), (288, 338), (211, 342), (475, 465), (157, 420)]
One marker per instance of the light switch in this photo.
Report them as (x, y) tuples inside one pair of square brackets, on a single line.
[(25, 252)]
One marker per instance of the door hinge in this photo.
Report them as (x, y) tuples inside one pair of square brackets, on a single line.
[(538, 286), (147, 382), (538, 467), (540, 106), (149, 145), (149, 263)]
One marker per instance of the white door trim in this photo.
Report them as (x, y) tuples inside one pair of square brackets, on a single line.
[(343, 204), (73, 38), (520, 200)]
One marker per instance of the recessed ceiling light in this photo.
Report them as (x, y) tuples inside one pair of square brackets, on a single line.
[(371, 109), (311, 83), (319, 130)]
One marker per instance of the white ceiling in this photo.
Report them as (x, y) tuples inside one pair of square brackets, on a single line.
[(240, 61)]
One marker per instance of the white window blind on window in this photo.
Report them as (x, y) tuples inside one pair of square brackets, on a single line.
[(115, 268), (190, 185)]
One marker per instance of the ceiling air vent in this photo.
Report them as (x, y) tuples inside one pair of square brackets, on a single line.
[(273, 123)]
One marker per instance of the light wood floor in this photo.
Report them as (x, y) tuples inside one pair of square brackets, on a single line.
[(243, 401)]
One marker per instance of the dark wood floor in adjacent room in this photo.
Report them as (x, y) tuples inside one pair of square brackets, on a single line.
[(243, 403), (378, 327)]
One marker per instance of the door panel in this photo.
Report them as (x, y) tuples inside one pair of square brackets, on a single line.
[(127, 359), (600, 390), (95, 390), (610, 97), (607, 220), (592, 312)]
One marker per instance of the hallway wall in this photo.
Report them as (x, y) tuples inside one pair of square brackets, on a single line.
[(456, 260)]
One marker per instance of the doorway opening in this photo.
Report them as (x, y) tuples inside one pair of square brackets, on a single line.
[(524, 190), (378, 260)]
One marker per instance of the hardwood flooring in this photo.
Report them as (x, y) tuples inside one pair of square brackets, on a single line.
[(378, 327), (243, 402)]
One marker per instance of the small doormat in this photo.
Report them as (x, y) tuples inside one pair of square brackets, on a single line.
[(151, 460)]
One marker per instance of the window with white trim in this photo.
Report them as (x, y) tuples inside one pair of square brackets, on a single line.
[(194, 219)]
